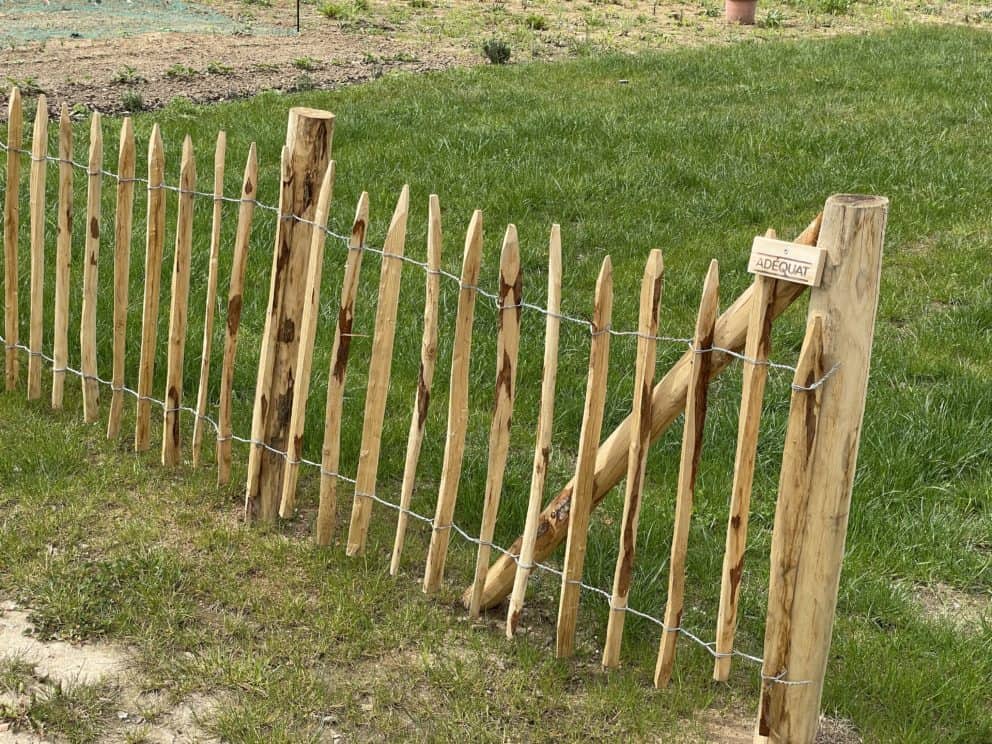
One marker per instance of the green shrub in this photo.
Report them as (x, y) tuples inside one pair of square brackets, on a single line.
[(127, 75), (307, 64), (181, 71), (496, 51), (536, 22), (132, 101)]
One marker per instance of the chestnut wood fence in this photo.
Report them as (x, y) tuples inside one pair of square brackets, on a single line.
[(821, 444)]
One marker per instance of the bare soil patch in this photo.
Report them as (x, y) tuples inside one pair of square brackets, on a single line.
[(116, 60), (943, 603)]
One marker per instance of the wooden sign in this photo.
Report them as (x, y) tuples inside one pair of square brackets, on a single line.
[(793, 262)]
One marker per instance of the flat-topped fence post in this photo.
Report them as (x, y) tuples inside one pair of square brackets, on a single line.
[(304, 162), (805, 574)]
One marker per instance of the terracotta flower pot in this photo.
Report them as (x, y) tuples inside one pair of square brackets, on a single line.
[(740, 11)]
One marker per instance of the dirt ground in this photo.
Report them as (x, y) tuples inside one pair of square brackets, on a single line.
[(108, 56)]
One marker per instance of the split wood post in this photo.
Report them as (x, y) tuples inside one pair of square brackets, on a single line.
[(592, 426), (122, 271), (11, 223), (36, 205), (757, 347), (380, 366), (91, 263), (154, 244), (304, 163), (246, 211), (211, 301), (637, 459), (507, 348), (692, 447), (308, 334), (340, 349), (790, 516), (179, 308), (425, 379), (667, 402), (63, 259), (454, 445), (853, 234), (545, 426)]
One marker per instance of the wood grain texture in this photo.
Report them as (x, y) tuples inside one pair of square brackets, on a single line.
[(123, 223), (454, 445), (545, 427), (425, 379), (36, 209), (200, 422), (589, 436), (692, 447), (304, 162), (380, 366), (308, 334), (507, 349), (11, 223), (847, 299), (63, 259), (757, 347), (179, 310), (154, 245), (91, 264), (235, 300), (340, 351), (667, 402), (647, 326)]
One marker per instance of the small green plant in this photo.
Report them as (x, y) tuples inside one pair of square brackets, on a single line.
[(132, 101), (713, 11), (334, 11), (836, 7), (420, 4), (79, 111), (28, 86), (181, 71), (496, 51), (219, 68), (361, 5), (302, 83), (307, 64), (536, 22), (774, 18), (127, 75)]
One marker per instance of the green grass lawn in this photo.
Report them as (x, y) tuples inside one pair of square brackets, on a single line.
[(695, 152)]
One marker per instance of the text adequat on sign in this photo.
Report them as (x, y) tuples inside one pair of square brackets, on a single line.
[(793, 262)]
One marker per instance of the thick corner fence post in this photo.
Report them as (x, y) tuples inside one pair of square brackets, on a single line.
[(304, 163), (805, 575)]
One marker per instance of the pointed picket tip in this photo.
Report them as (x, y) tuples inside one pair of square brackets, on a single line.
[(709, 304), (473, 237), (361, 217), (156, 149), (807, 368), (509, 257), (187, 169), (15, 98), (327, 183), (127, 133), (64, 118), (655, 265), (220, 149), (96, 144), (398, 220)]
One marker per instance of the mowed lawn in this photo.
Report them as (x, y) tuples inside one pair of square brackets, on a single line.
[(693, 151)]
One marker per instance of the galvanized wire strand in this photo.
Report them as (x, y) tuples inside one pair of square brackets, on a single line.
[(708, 646), (489, 295)]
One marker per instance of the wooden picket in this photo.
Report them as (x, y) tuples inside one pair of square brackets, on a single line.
[(380, 366), (756, 348), (340, 350), (178, 310), (63, 259), (11, 222), (239, 262), (199, 423), (545, 425), (585, 466), (308, 334), (692, 446), (122, 271), (91, 258), (823, 429), (425, 378), (39, 153), (640, 411), (507, 347), (454, 445), (154, 245)]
